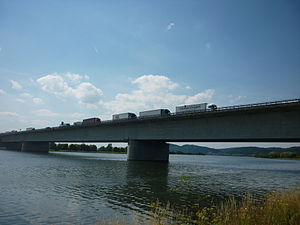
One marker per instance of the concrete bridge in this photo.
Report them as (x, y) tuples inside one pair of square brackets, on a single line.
[(147, 137)]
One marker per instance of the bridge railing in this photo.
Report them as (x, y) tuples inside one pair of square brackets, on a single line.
[(258, 104), (239, 107)]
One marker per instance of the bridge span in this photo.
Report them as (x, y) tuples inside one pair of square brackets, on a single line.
[(147, 137)]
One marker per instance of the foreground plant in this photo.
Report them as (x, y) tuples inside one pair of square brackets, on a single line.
[(281, 208)]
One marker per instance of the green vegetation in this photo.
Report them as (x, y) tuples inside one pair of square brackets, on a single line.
[(282, 155), (278, 208), (86, 148), (281, 208)]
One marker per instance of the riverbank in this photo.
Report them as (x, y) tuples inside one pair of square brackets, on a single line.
[(278, 208)]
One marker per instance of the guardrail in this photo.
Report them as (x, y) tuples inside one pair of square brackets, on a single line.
[(259, 104)]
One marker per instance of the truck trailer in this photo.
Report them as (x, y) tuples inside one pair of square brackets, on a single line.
[(124, 116), (91, 121), (191, 108), (155, 113)]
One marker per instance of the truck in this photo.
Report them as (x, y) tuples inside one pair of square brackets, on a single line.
[(155, 113), (30, 128), (79, 123), (123, 116), (91, 121), (191, 108), (63, 124)]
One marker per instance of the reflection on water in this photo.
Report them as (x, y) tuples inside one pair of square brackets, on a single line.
[(81, 188)]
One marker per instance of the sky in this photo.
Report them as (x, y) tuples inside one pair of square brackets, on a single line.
[(70, 60)]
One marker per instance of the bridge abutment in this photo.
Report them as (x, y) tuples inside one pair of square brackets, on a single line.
[(148, 151), (35, 146)]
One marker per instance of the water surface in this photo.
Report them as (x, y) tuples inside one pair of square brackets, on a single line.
[(87, 188)]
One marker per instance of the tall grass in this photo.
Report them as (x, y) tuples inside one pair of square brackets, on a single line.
[(281, 208), (278, 208)]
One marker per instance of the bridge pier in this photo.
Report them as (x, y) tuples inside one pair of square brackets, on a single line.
[(35, 146), (148, 151), (15, 146)]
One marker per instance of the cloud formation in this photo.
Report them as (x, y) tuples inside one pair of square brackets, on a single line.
[(84, 92), (170, 26), (149, 92), (154, 91), (15, 85), (2, 92), (76, 78), (38, 101), (45, 113), (26, 95), (9, 114)]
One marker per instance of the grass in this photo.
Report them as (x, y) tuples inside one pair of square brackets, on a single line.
[(278, 208), (281, 208)]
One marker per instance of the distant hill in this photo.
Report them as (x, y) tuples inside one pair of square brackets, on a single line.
[(242, 151)]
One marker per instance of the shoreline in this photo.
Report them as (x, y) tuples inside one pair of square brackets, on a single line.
[(107, 152)]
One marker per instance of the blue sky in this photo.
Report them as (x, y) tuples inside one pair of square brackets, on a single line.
[(69, 60)]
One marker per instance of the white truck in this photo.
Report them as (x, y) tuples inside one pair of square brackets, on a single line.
[(124, 116), (191, 108), (155, 113)]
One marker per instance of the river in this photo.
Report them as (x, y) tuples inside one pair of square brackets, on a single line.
[(87, 188)]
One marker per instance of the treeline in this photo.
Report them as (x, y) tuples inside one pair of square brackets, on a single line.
[(85, 148), (275, 155)]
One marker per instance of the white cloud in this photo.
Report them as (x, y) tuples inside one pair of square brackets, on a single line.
[(45, 112), (153, 83), (76, 78), (200, 97), (38, 101), (8, 114), (154, 91), (54, 83), (20, 100), (15, 85), (2, 92), (26, 95), (170, 26), (85, 92)]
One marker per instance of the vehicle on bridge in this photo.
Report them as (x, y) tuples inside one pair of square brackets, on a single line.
[(62, 124), (191, 108), (123, 116), (212, 107), (30, 128), (91, 121), (155, 113)]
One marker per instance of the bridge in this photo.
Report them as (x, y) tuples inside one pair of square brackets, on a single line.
[(147, 137)]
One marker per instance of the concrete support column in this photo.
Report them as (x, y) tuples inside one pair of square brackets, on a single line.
[(15, 146), (35, 146), (148, 151)]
